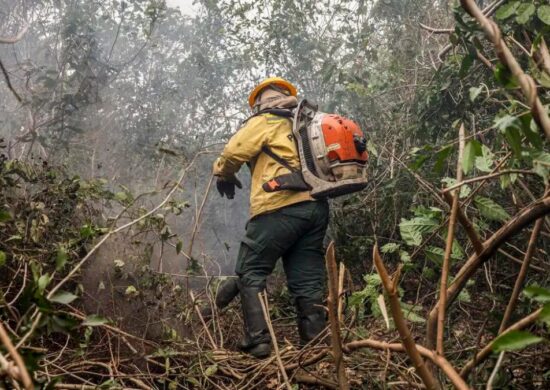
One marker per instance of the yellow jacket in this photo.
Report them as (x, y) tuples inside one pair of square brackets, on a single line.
[(246, 147)]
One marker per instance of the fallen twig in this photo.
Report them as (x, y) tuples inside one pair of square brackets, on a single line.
[(24, 376), (264, 303)]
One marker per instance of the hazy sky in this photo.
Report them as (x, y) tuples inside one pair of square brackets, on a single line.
[(186, 6)]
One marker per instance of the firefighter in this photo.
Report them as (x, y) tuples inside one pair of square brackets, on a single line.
[(284, 224)]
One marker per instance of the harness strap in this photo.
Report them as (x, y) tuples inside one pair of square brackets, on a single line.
[(279, 159)]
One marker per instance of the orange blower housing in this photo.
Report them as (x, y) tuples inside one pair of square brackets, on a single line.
[(342, 137), (332, 151)]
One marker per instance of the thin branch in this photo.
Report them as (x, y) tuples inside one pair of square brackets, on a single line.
[(521, 276), (482, 355), (23, 373), (17, 38), (265, 310), (9, 84), (526, 82), (332, 304), (486, 177), (210, 338), (449, 247), (401, 324), (434, 30), (438, 360), (525, 217), (495, 371)]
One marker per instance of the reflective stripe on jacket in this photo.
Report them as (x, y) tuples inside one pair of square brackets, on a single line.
[(246, 147)]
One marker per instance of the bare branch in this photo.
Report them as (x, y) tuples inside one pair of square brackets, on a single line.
[(401, 324), (17, 38), (333, 317), (449, 246)]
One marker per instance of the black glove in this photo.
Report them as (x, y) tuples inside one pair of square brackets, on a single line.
[(226, 186)]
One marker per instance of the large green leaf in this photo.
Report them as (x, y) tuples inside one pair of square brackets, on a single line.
[(507, 10), (514, 340), (524, 12), (412, 229), (490, 209), (537, 293), (472, 149), (544, 13)]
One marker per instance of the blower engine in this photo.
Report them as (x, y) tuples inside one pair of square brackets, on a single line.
[(333, 152)]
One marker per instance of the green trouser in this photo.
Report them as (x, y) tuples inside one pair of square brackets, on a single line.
[(294, 233)]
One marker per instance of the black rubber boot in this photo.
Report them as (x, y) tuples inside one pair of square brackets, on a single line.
[(227, 291), (311, 319), (256, 341)]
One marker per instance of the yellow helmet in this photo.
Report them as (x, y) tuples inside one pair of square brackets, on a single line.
[(278, 81)]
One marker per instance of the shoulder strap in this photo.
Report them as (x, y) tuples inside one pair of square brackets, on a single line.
[(279, 159), (284, 112)]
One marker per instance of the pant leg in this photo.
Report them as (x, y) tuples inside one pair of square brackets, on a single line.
[(268, 237), (304, 261)]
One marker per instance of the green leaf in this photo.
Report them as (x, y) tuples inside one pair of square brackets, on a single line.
[(371, 148), (474, 93), (513, 137), (435, 254), (121, 196), (4, 216), (63, 297), (524, 12), (94, 320), (411, 313), (61, 259), (507, 10), (541, 164), (504, 122), (179, 246), (514, 340), (544, 315), (412, 229), (471, 150), (87, 231), (389, 248), (405, 256), (537, 293), (211, 370), (131, 291), (2, 258), (43, 282), (544, 14), (486, 160), (490, 209), (441, 158)]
